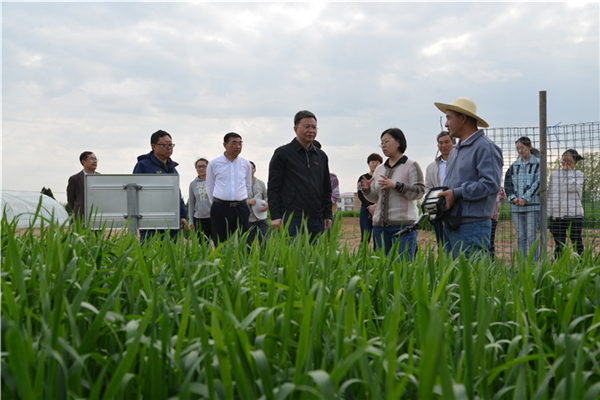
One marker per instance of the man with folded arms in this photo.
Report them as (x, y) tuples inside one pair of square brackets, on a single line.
[(228, 181), (473, 176)]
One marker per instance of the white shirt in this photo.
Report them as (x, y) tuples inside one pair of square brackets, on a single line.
[(442, 170), (228, 180)]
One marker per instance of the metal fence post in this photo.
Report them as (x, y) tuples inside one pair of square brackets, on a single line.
[(543, 174)]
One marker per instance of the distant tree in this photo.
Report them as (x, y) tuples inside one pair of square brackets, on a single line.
[(47, 192)]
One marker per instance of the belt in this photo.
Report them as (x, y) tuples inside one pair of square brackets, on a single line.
[(229, 203)]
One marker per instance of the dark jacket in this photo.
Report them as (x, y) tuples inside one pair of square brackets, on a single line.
[(149, 164), (299, 182), (75, 195)]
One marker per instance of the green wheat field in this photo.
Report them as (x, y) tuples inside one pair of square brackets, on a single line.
[(89, 315)]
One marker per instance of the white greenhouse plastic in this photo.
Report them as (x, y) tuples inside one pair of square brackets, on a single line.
[(22, 205)]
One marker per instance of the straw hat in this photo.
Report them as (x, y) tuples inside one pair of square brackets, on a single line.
[(465, 106)]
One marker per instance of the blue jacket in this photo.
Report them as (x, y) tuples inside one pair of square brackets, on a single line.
[(523, 181), (474, 173), (149, 164)]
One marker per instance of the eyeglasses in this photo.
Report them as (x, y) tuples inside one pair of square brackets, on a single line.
[(308, 127), (236, 143), (385, 143), (166, 145)]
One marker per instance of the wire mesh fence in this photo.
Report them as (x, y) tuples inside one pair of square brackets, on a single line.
[(573, 187)]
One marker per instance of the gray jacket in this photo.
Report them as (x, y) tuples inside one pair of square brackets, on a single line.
[(474, 174)]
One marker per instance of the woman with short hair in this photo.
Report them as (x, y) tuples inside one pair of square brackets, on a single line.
[(396, 186)]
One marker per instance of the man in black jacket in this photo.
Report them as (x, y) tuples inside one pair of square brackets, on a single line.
[(299, 185)]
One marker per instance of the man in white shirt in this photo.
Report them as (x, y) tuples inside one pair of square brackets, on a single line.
[(228, 181), (436, 174)]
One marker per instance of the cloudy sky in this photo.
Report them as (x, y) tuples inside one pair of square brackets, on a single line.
[(104, 76)]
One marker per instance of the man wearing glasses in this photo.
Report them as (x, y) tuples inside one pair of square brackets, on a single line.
[(228, 182), (158, 161), (75, 187), (299, 182)]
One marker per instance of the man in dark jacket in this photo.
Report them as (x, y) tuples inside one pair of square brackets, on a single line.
[(299, 184), (75, 187), (158, 161)]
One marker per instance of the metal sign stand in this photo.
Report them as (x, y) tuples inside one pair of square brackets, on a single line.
[(133, 215)]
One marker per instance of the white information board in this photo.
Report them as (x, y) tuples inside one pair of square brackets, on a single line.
[(106, 200)]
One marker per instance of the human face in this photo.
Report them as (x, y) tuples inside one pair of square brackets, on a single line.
[(233, 148), (568, 162), (445, 146), (389, 145), (524, 151), (372, 165), (201, 169), (306, 131), (164, 148), (454, 124), (90, 163)]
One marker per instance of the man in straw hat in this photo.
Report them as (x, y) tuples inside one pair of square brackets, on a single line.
[(473, 177)]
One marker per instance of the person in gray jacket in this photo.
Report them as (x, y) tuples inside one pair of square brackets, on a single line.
[(257, 223), (199, 204), (435, 175), (473, 177)]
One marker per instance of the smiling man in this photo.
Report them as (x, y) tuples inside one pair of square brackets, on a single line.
[(75, 187), (299, 181), (158, 161), (228, 181)]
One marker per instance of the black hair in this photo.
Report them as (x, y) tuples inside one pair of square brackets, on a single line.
[(525, 141), (574, 154), (253, 164), (83, 156), (445, 133), (397, 134), (157, 135), (303, 114), (231, 135), (374, 157), (200, 159)]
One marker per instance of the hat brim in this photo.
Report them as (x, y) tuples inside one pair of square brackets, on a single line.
[(445, 107)]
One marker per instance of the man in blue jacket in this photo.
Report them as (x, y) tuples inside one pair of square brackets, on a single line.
[(158, 161), (473, 176)]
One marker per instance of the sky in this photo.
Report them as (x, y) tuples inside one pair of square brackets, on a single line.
[(104, 76)]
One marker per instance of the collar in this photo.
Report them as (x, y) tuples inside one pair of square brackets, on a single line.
[(471, 139), (402, 160), (299, 146)]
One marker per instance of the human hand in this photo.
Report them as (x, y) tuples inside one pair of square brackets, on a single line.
[(252, 202), (183, 223), (327, 223), (366, 184), (265, 207), (371, 209), (386, 183), (191, 227), (276, 223), (449, 195)]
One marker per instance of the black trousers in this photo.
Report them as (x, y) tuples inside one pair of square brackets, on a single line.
[(203, 227), (559, 228), (226, 220)]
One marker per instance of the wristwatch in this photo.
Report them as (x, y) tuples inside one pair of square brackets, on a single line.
[(399, 187)]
